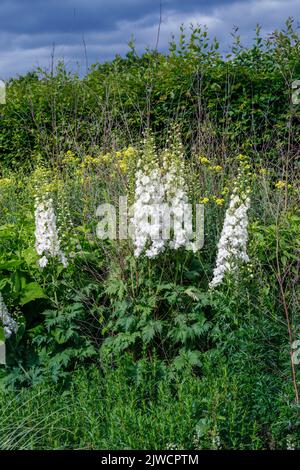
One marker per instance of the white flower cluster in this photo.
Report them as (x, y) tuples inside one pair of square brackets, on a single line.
[(47, 241), (9, 324), (232, 246), (177, 198), (146, 221), (162, 215)]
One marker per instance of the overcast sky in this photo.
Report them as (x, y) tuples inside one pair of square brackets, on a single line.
[(30, 28)]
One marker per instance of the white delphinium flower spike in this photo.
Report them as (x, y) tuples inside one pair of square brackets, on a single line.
[(10, 326), (177, 198), (47, 241), (176, 192), (232, 246), (149, 196)]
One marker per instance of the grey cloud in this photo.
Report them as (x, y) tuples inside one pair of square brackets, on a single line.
[(29, 28)]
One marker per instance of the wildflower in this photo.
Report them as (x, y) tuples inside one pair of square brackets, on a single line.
[(177, 198), (149, 196), (125, 158), (123, 166), (70, 154), (232, 246), (42, 262), (161, 198), (263, 171), (219, 201), (216, 168), (204, 200), (204, 160), (9, 324), (280, 184), (176, 194), (70, 158), (88, 160), (105, 158), (47, 243), (129, 152)]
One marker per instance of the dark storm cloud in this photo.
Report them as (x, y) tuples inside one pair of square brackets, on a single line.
[(57, 16), (29, 28), (35, 16)]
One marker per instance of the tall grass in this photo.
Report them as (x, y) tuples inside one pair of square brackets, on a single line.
[(140, 407)]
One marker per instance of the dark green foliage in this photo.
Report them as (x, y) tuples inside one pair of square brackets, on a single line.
[(151, 307), (240, 101)]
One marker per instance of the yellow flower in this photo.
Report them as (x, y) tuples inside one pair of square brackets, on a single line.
[(280, 184), (88, 160), (69, 157), (241, 157), (97, 160), (70, 154), (219, 201), (129, 152), (105, 158), (204, 160), (217, 168), (204, 200), (263, 171), (123, 166)]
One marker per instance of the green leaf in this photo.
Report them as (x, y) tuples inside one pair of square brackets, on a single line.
[(187, 359), (7, 231), (30, 256), (11, 264), (151, 329), (31, 291), (193, 292)]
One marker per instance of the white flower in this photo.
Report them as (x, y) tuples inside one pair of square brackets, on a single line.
[(63, 259), (9, 324), (232, 246), (146, 221), (47, 243), (145, 180), (42, 262), (177, 198), (161, 208)]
